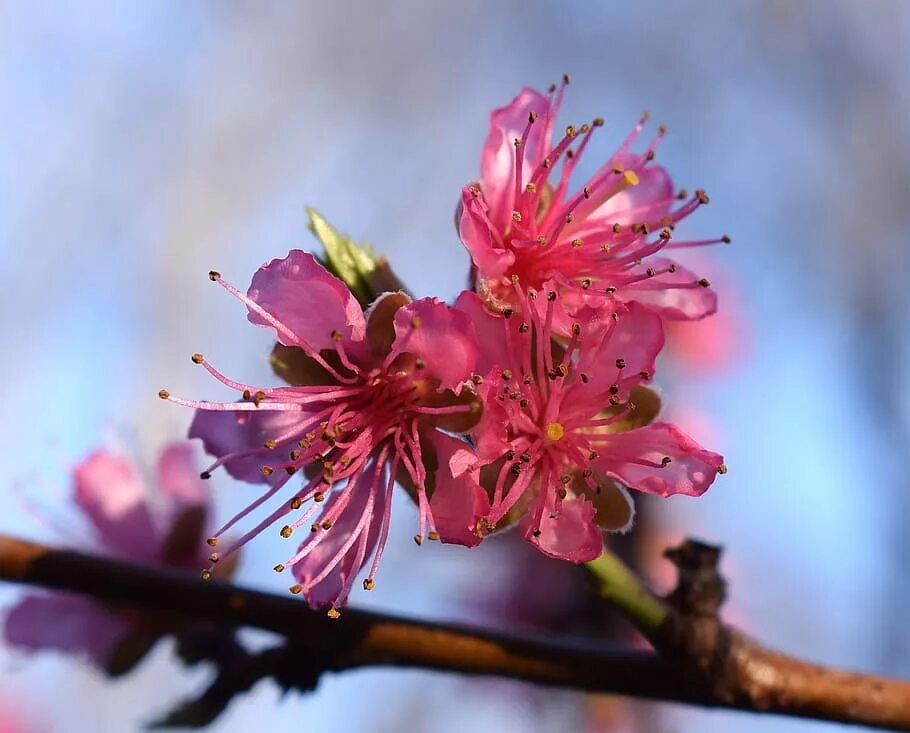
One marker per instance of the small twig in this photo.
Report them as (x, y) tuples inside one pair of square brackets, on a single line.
[(758, 679)]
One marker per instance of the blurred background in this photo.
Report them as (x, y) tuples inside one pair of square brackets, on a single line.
[(142, 144)]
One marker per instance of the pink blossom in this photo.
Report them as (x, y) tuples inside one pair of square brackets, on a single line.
[(368, 394), (601, 244), (560, 423), (161, 524)]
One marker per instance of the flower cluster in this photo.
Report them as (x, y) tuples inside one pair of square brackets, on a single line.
[(526, 403), (162, 522)]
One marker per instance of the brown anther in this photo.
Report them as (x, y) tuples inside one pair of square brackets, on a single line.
[(645, 375), (592, 456), (576, 329), (419, 364), (665, 234), (333, 613), (247, 395), (205, 475), (507, 313), (267, 470), (433, 536), (510, 455), (296, 588), (702, 196), (662, 129), (515, 469), (327, 524), (285, 531), (206, 574), (416, 322), (617, 169), (587, 473), (270, 444), (530, 188), (566, 79), (516, 216), (650, 272), (570, 154), (418, 538), (532, 117), (476, 379), (296, 503), (704, 282), (585, 378), (569, 218), (551, 295), (507, 375), (551, 88), (562, 493), (725, 239), (213, 558), (563, 370), (570, 131), (212, 542), (586, 283), (164, 394), (295, 455), (279, 568), (536, 533), (671, 268), (614, 389), (615, 317), (666, 461), (517, 142), (532, 294), (542, 240), (586, 192), (722, 469), (524, 403), (523, 328), (259, 397), (547, 163), (197, 358), (620, 363), (336, 336), (315, 527), (576, 243), (649, 155), (617, 228), (369, 584), (214, 275), (682, 194), (598, 122)]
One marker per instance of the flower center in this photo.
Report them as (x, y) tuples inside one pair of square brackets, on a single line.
[(555, 431)]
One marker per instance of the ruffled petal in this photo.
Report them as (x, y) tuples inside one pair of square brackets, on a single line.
[(112, 496), (635, 459), (440, 336), (491, 260), (646, 202), (244, 433), (497, 163), (569, 534), (309, 302), (675, 295), (457, 499), (490, 331), (66, 623)]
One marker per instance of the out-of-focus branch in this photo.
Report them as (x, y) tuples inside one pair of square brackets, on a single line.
[(708, 665)]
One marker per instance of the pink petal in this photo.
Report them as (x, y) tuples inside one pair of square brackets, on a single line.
[(308, 300), (648, 201), (110, 493), (691, 469), (442, 337), (569, 535), (458, 500), (675, 295), (497, 163), (223, 433), (178, 477), (331, 590), (474, 230), (490, 330), (636, 337), (65, 623)]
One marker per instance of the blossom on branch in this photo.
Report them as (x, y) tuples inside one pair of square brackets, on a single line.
[(162, 522), (368, 397), (563, 423), (601, 244)]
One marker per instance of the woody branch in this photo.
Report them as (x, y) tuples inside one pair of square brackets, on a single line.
[(699, 661)]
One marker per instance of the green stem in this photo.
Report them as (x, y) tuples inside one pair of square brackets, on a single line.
[(619, 585)]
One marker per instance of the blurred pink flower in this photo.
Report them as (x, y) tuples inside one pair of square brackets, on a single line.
[(598, 245), (159, 524), (367, 395), (559, 424)]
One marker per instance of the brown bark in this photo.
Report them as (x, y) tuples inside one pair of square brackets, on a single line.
[(709, 666)]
